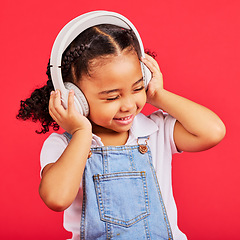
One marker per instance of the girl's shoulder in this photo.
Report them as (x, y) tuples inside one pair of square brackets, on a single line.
[(52, 149), (165, 123), (54, 145), (161, 118), (56, 139)]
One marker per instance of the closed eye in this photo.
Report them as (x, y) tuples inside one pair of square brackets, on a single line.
[(135, 90), (138, 89), (112, 99)]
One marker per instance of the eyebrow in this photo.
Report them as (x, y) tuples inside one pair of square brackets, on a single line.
[(116, 90)]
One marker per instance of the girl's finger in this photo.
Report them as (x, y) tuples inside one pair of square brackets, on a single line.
[(53, 110), (153, 61), (152, 67), (58, 104), (71, 105)]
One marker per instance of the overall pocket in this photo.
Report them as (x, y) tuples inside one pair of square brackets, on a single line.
[(122, 197)]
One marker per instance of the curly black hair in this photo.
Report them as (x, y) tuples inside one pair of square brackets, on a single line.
[(95, 42), (36, 108)]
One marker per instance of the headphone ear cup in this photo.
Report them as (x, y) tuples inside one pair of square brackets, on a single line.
[(79, 98), (147, 75)]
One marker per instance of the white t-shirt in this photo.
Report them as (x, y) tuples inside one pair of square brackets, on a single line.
[(159, 127)]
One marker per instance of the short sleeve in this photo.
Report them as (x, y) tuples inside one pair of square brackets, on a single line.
[(166, 124), (169, 129), (52, 149)]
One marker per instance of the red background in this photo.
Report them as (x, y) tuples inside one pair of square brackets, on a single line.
[(199, 54)]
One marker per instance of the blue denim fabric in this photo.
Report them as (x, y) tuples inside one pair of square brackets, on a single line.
[(121, 196)]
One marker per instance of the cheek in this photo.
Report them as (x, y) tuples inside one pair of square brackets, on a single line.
[(102, 112), (141, 100)]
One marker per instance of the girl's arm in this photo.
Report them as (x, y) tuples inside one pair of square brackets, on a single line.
[(197, 128), (61, 180)]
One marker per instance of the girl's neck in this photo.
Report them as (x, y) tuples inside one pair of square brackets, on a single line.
[(116, 139), (109, 137)]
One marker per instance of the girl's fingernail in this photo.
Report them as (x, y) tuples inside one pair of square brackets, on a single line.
[(52, 92)]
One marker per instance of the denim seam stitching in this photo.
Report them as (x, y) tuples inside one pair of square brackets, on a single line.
[(147, 229), (106, 176), (170, 236), (132, 164), (113, 148), (101, 205), (82, 225), (105, 162), (99, 195), (109, 231), (122, 224), (146, 195)]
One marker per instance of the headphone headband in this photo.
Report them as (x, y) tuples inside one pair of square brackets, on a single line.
[(71, 30)]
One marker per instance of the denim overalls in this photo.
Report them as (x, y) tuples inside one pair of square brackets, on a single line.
[(121, 196)]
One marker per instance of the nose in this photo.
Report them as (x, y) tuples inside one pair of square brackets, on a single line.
[(127, 104)]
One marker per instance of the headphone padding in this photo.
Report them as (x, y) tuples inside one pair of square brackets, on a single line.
[(80, 98), (147, 75)]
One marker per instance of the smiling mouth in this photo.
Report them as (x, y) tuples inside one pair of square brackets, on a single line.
[(124, 120)]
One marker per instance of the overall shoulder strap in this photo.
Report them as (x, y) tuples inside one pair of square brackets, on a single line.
[(68, 136)]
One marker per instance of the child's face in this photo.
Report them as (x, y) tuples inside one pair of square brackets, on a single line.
[(115, 93)]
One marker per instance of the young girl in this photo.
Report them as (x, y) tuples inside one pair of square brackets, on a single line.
[(110, 172)]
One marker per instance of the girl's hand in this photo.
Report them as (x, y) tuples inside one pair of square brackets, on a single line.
[(156, 83), (197, 128), (69, 119)]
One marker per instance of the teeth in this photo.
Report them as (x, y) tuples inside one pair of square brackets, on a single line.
[(125, 118)]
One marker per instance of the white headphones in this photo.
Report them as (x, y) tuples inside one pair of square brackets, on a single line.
[(68, 33)]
